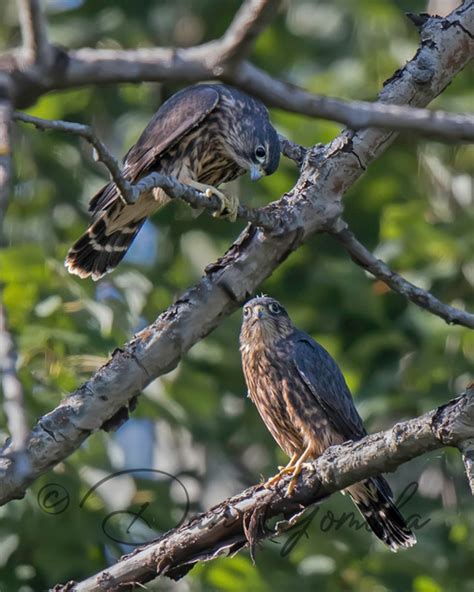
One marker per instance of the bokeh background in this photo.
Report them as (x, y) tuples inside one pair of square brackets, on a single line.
[(414, 208)]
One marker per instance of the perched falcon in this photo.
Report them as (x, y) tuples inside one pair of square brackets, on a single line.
[(204, 135), (306, 404)]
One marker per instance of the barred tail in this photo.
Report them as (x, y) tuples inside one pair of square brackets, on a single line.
[(373, 499), (100, 250)]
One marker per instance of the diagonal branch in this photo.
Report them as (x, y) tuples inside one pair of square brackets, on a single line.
[(379, 269), (84, 131), (232, 525), (33, 31), (311, 207), (450, 127), (130, 192), (250, 20)]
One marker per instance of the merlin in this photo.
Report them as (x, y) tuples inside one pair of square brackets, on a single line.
[(204, 135), (304, 401)]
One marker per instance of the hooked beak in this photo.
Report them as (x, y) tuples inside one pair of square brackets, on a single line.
[(260, 312), (256, 172)]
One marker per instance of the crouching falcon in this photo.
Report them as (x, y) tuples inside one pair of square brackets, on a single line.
[(204, 135)]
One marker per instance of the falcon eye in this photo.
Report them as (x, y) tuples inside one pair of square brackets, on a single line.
[(246, 312), (273, 308), (260, 152)]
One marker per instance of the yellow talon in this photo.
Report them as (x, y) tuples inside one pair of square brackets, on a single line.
[(283, 471), (229, 204), (294, 479), (295, 466)]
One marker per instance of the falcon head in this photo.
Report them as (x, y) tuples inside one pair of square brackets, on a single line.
[(259, 148), (263, 157), (264, 318), (250, 139)]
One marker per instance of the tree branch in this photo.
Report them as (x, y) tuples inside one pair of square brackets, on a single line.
[(84, 131), (311, 206), (250, 20), (356, 114), (365, 259), (5, 149), (33, 31), (196, 199), (13, 398), (240, 521), (96, 66)]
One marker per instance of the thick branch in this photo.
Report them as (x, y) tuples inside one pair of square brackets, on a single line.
[(240, 520), (315, 202), (363, 257), (33, 31)]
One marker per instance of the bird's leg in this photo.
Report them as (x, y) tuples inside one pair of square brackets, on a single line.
[(283, 471), (289, 467), (297, 469), (229, 203)]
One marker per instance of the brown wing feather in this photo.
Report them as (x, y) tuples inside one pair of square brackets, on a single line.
[(325, 381), (175, 118)]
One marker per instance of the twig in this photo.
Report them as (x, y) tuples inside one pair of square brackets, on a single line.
[(250, 20), (196, 199), (86, 132), (13, 399), (422, 298), (291, 150), (5, 149), (33, 31), (309, 208), (130, 192), (221, 531)]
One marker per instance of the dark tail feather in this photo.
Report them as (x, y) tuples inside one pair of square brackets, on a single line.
[(103, 198), (374, 501), (96, 252)]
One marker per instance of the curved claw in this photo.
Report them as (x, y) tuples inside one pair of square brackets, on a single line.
[(229, 204), (283, 471), (294, 479), (295, 466)]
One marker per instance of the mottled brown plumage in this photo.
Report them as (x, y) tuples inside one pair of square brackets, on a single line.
[(306, 404), (204, 135)]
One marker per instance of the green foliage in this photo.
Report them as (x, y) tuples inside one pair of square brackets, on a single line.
[(414, 207)]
